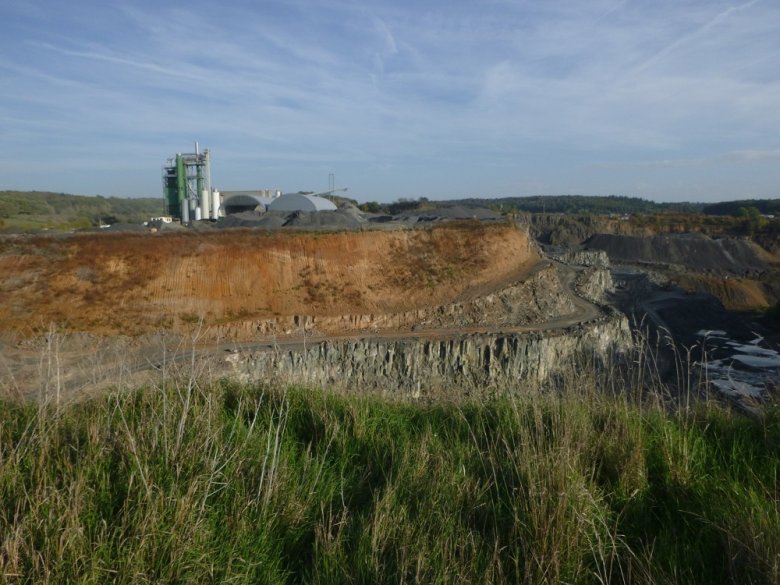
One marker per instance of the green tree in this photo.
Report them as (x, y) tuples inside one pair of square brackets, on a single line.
[(371, 207)]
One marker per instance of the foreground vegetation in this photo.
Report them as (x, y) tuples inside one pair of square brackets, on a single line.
[(251, 484)]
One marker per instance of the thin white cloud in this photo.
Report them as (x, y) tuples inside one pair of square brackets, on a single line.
[(463, 92), (613, 9), (695, 34), (109, 58)]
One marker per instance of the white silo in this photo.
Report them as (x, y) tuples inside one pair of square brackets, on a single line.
[(205, 204), (216, 202)]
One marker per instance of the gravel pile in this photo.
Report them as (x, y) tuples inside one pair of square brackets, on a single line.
[(456, 212), (348, 217)]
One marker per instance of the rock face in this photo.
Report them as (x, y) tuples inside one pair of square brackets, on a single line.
[(140, 283), (594, 283), (454, 352), (537, 297), (579, 257), (694, 252), (418, 366), (560, 229)]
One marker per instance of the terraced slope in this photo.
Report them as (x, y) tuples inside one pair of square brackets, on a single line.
[(696, 252), (739, 273)]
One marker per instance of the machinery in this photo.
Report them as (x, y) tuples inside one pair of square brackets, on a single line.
[(187, 187), (189, 197)]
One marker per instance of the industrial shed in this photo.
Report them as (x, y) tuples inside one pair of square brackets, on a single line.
[(239, 202), (301, 202)]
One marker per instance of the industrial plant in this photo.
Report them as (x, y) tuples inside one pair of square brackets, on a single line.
[(189, 195), (187, 187)]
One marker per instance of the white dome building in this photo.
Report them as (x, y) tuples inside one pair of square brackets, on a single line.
[(301, 202)]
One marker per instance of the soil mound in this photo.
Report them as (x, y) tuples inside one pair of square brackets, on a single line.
[(339, 219)]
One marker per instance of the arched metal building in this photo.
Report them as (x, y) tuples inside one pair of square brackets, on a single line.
[(301, 202), (238, 202)]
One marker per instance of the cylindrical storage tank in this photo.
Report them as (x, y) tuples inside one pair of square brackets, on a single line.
[(185, 212), (216, 204), (205, 204), (198, 215)]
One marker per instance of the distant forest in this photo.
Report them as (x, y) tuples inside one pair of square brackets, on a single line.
[(599, 204), (581, 205), (25, 210), (738, 208), (30, 210)]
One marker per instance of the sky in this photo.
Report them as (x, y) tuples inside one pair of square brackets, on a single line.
[(669, 100)]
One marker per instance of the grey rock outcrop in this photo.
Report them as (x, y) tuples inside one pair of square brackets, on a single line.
[(415, 366), (579, 257), (691, 252), (594, 283)]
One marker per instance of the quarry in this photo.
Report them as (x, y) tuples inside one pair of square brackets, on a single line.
[(451, 300), (307, 288), (395, 308)]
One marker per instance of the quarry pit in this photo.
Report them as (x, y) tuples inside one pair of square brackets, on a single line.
[(410, 310), (282, 295)]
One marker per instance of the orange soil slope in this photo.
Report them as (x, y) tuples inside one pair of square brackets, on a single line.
[(736, 294), (135, 283)]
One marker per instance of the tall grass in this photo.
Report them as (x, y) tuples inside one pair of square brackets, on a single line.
[(226, 483)]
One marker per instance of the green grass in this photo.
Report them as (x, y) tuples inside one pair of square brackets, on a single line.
[(250, 484)]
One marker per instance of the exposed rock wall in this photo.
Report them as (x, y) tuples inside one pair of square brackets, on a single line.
[(139, 283), (559, 228), (579, 257), (692, 252), (414, 366), (536, 298), (593, 284)]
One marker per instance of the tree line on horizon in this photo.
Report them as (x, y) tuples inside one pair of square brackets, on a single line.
[(26, 210), (44, 209), (581, 204)]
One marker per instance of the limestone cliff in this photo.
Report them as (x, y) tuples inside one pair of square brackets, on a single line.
[(416, 366)]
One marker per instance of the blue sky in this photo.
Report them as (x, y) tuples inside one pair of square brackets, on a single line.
[(667, 100)]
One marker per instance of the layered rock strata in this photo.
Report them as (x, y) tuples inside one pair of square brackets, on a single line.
[(415, 366), (535, 298)]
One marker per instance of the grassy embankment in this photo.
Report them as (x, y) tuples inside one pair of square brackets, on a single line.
[(183, 483)]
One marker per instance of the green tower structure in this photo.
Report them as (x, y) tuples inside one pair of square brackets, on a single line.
[(187, 187)]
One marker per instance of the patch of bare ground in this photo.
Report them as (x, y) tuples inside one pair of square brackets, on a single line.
[(133, 284), (736, 294)]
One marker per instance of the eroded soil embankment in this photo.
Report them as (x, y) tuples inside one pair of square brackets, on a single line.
[(111, 284)]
